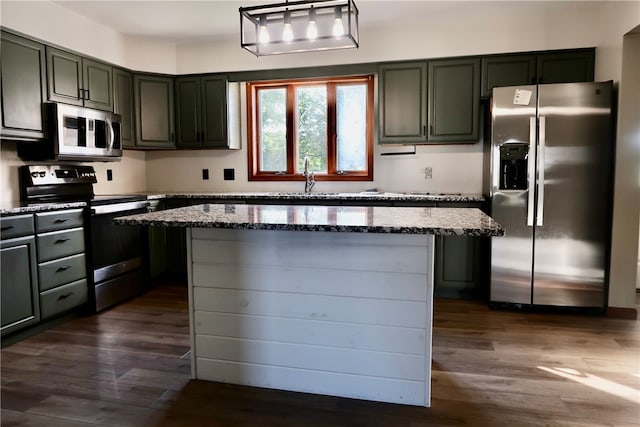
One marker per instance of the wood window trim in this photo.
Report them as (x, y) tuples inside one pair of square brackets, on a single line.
[(253, 151)]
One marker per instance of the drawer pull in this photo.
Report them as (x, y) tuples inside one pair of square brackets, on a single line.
[(65, 296), (66, 267), (7, 227), (61, 220), (62, 240)]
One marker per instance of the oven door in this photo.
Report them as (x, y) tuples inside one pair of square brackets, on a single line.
[(118, 253)]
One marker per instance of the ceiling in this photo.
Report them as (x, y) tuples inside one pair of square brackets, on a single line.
[(210, 20)]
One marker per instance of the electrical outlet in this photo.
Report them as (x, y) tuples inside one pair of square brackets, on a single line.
[(205, 174), (109, 175), (428, 173), (229, 174)]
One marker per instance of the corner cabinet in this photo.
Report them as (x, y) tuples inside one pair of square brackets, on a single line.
[(402, 103), (154, 120), (23, 77), (75, 80), (454, 100), (123, 105)]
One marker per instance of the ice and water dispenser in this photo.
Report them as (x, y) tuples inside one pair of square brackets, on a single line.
[(513, 166)]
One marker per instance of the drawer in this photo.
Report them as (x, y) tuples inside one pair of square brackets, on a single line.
[(60, 271), (59, 220), (60, 244), (16, 226), (63, 298)]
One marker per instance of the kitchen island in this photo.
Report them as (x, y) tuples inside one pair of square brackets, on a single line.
[(322, 299)]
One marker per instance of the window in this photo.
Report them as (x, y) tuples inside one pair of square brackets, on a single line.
[(328, 121)]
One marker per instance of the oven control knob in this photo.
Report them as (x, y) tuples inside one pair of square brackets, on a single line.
[(34, 174)]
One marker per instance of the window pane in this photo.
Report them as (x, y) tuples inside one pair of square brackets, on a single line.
[(273, 129), (351, 116), (311, 107)]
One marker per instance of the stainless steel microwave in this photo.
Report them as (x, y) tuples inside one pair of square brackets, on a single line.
[(76, 133)]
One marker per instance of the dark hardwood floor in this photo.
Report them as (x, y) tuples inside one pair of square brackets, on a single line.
[(129, 366)]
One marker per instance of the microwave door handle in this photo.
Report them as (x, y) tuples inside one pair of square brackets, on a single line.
[(531, 170), (110, 137)]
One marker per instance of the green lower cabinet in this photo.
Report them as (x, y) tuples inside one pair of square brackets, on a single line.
[(157, 252), (18, 284), (457, 267)]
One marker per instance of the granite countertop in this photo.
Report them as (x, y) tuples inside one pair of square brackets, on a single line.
[(361, 219), (8, 208), (18, 207), (364, 195)]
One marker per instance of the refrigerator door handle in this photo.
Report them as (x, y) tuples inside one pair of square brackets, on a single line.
[(531, 170), (540, 214)]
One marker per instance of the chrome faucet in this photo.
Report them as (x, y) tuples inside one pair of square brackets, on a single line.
[(310, 181)]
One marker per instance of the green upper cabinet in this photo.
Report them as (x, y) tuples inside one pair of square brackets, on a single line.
[(154, 120), (123, 105), (454, 100), (214, 111), (566, 67), (97, 84), (508, 70), (201, 112), (23, 89), (402, 103), (188, 112), (75, 80)]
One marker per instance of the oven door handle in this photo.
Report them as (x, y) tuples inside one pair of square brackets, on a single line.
[(119, 207)]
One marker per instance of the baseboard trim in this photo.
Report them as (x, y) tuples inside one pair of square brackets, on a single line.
[(622, 313)]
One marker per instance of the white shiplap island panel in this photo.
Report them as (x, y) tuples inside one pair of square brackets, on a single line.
[(333, 300), (343, 314)]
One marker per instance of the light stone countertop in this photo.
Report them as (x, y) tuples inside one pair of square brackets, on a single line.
[(359, 219), (8, 208), (362, 196)]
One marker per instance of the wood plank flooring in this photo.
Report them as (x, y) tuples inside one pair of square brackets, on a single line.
[(129, 366)]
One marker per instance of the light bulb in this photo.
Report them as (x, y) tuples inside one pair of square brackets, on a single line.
[(312, 29), (287, 31), (263, 33), (338, 28)]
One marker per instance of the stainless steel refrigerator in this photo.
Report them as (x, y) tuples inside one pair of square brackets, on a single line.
[(551, 188)]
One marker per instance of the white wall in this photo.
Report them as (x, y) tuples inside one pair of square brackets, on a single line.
[(624, 247), (59, 26), (479, 28), (129, 174)]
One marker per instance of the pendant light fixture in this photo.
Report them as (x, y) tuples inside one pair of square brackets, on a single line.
[(312, 27), (263, 32), (338, 26), (299, 26)]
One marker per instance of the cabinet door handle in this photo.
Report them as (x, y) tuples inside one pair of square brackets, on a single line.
[(65, 268), (7, 227), (61, 220), (65, 296), (424, 129), (62, 240), (431, 130)]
